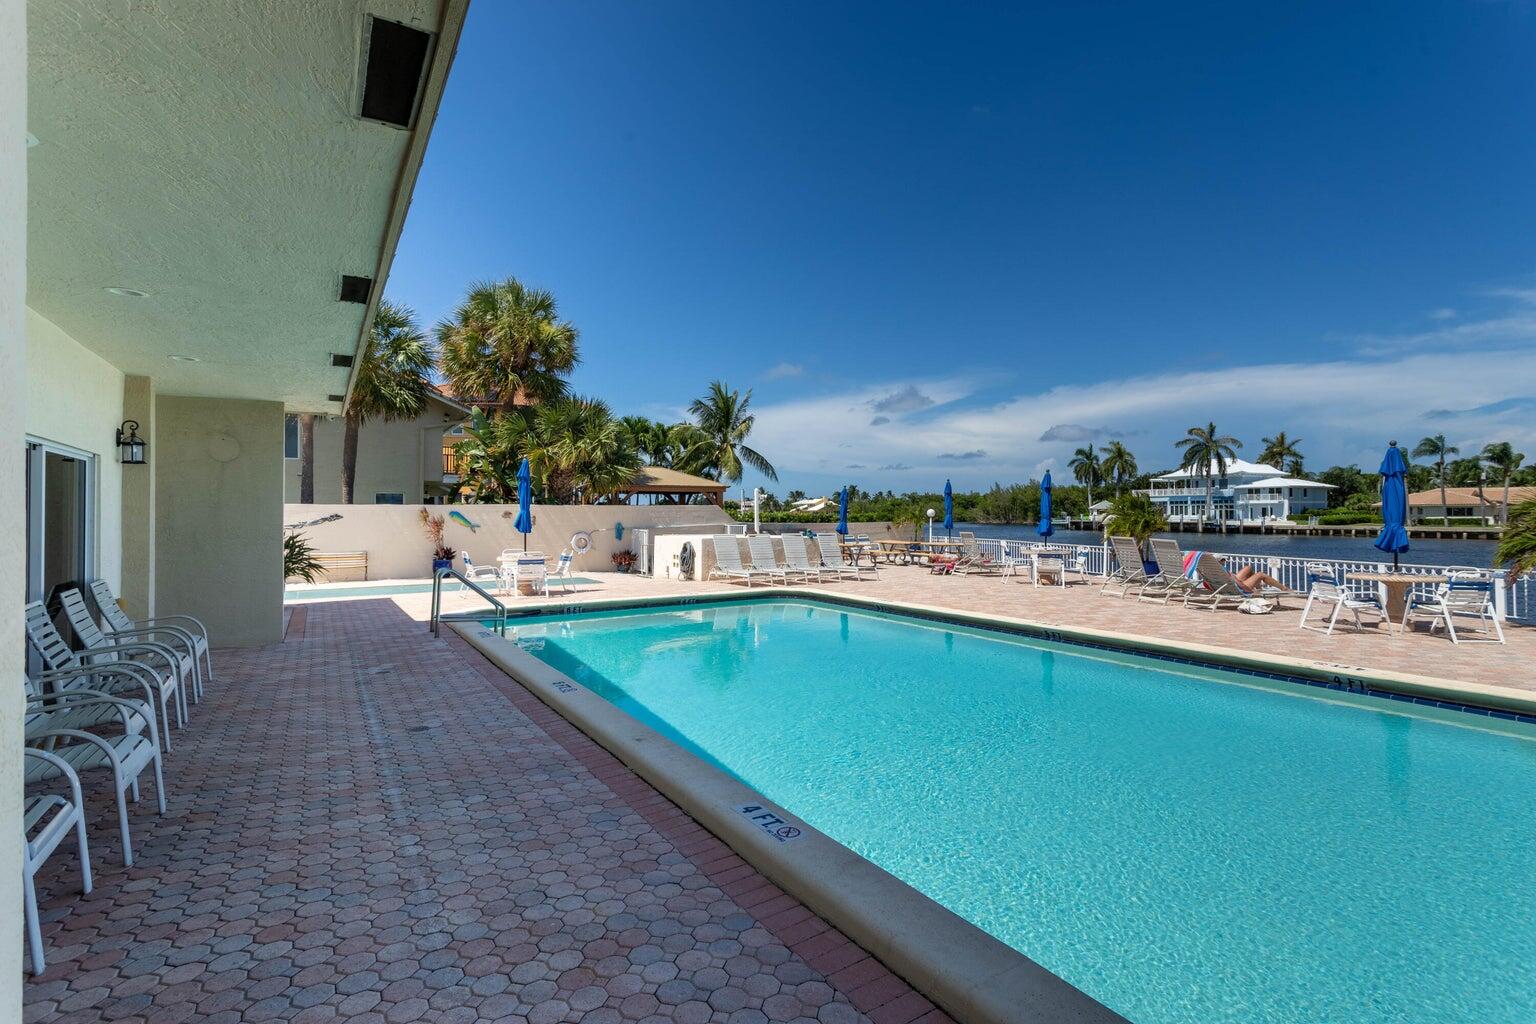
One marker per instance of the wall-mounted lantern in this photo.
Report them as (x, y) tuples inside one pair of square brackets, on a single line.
[(132, 450)]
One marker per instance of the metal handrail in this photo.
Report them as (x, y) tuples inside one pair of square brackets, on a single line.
[(437, 600)]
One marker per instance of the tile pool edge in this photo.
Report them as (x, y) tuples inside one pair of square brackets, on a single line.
[(1448, 694), (970, 974)]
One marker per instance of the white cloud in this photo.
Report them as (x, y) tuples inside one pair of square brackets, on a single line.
[(783, 370), (1443, 313)]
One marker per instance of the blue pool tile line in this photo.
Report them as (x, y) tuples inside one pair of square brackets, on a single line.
[(1339, 683)]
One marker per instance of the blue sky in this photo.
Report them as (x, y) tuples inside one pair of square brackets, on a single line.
[(961, 240)]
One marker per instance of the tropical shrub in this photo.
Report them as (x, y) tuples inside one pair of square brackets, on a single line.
[(1517, 547), (299, 559)]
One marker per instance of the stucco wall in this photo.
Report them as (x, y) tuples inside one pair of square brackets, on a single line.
[(392, 457), (76, 399), (13, 404), (219, 492), (397, 546)]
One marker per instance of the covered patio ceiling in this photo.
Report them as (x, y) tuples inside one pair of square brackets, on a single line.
[(213, 158)]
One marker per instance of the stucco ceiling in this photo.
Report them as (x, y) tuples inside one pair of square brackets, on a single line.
[(209, 155)]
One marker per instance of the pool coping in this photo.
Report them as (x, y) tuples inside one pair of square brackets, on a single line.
[(1479, 699), (970, 974)]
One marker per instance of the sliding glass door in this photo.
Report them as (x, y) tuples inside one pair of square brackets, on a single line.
[(61, 518)]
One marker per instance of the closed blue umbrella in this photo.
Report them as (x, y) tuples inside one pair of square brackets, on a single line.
[(842, 512), (524, 524), (1394, 503), (949, 508), (1045, 529)]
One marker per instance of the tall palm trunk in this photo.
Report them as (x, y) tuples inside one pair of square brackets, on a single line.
[(354, 421), (1504, 517), (307, 458), (1445, 505), (1210, 500)]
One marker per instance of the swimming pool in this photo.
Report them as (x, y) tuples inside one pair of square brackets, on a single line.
[(1184, 844)]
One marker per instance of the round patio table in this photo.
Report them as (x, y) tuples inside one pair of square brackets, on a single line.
[(1395, 585)]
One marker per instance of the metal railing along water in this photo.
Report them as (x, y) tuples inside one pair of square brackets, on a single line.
[(437, 600)]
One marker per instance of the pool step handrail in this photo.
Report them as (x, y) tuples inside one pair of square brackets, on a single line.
[(437, 600)]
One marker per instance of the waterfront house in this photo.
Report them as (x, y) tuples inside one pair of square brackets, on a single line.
[(1248, 492), (1485, 504)]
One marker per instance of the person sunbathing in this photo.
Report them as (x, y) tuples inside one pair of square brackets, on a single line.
[(1250, 578)]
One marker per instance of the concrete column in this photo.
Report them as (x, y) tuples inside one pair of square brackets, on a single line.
[(138, 524), (219, 516), (13, 317)]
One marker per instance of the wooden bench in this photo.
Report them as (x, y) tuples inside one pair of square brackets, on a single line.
[(333, 562)]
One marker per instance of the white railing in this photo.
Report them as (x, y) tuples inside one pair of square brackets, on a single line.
[(1511, 600)]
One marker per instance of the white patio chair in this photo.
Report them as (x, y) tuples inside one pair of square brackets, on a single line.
[(125, 755), (479, 574), (179, 642), (1130, 569), (1048, 565), (562, 570), (64, 666), (192, 631), (529, 568), (98, 646), (1326, 592), (46, 821), (797, 558), (82, 714), (766, 560), (831, 548), (728, 565), (1469, 594)]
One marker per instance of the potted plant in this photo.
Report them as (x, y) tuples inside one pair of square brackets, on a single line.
[(442, 554), (623, 560)]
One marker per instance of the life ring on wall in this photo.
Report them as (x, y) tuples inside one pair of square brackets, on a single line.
[(581, 542)]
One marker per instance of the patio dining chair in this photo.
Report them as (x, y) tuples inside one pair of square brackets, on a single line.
[(46, 821), (162, 657), (529, 568), (65, 668), (1468, 594), (188, 632), (562, 570), (1327, 592), (486, 576)]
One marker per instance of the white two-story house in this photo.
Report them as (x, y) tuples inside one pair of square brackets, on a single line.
[(1248, 492)]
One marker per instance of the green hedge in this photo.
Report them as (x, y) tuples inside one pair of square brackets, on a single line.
[(1337, 517)]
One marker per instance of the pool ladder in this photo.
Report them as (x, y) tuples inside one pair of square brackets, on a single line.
[(435, 622)]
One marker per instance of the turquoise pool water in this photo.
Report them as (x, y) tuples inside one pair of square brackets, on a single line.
[(1186, 845)]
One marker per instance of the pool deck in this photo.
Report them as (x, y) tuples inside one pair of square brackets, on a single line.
[(369, 824)]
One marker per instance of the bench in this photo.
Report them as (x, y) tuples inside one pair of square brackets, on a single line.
[(333, 562)]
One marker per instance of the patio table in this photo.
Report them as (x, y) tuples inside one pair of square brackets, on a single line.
[(1394, 587)]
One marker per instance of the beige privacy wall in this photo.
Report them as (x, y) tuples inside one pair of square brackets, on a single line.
[(397, 546), (219, 508)]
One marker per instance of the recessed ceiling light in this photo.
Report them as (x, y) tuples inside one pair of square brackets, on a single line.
[(131, 293), (186, 359)]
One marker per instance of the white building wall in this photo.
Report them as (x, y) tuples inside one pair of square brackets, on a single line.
[(13, 404), (76, 399)]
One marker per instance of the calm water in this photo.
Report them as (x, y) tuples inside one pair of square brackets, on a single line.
[(1184, 845), (1477, 553)]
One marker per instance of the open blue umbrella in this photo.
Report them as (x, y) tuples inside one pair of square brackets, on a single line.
[(842, 512), (949, 508), (1394, 503), (524, 524), (1045, 529)]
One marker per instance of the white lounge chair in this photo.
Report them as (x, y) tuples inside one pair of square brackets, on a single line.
[(1333, 599), (63, 665), (728, 565), (98, 646), (126, 754), (1469, 595), (831, 548), (187, 629), (1169, 580), (46, 821), (1221, 587), (797, 557), (765, 559), (1130, 570)]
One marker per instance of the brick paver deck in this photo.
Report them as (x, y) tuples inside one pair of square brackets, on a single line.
[(371, 825)]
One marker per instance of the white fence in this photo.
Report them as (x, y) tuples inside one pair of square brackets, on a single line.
[(1511, 600)]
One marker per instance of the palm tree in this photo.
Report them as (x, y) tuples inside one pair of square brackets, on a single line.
[(1439, 449), (1517, 547), (1283, 453), (1501, 455), (1086, 469), (1119, 464), (306, 458), (390, 381), (1134, 515), (1205, 450), (506, 344), (722, 416)]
